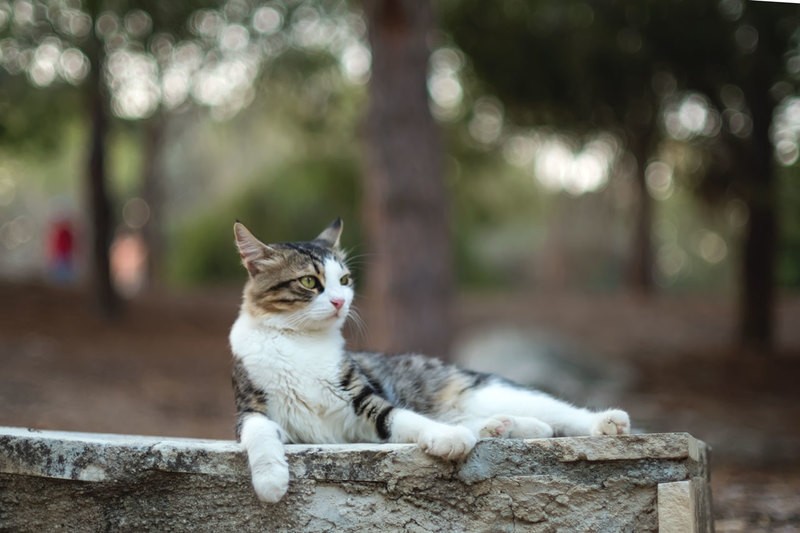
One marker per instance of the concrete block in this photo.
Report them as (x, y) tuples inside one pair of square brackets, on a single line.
[(90, 482)]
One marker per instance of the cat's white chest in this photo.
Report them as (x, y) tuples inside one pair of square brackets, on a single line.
[(304, 402), (299, 376)]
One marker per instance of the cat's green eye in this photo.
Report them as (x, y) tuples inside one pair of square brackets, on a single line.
[(345, 280), (309, 282)]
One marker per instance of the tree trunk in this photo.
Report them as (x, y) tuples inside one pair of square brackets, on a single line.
[(99, 203), (640, 274), (153, 195), (757, 297), (410, 282)]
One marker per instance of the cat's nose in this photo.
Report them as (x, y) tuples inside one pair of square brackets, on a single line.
[(337, 302)]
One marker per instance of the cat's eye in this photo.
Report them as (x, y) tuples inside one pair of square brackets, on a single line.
[(345, 280), (309, 282)]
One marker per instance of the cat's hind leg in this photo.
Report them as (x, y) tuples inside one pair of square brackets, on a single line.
[(564, 419), (510, 427)]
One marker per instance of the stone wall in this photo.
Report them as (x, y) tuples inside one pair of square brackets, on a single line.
[(92, 482)]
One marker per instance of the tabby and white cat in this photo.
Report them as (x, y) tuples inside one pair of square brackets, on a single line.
[(295, 381)]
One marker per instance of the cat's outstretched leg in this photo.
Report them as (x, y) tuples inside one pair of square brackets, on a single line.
[(564, 419), (263, 440)]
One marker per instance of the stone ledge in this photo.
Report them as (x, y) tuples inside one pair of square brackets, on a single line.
[(84, 481)]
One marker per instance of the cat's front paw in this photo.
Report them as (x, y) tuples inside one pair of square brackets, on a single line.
[(611, 422), (271, 481), (450, 442)]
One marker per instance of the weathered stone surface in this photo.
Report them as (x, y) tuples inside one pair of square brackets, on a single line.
[(682, 506), (53, 480)]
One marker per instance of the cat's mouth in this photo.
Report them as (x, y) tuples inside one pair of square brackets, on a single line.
[(332, 316)]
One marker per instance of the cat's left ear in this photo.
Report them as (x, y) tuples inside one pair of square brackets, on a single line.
[(330, 236)]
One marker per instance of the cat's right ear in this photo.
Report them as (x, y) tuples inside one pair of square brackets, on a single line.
[(330, 235), (253, 252)]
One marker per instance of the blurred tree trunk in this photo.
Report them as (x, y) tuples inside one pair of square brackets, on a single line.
[(640, 274), (99, 203), (409, 284), (757, 297), (153, 194)]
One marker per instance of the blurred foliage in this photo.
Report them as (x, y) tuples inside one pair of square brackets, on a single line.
[(294, 202), (487, 193), (593, 64), (287, 164), (620, 65), (35, 120), (553, 62), (298, 139)]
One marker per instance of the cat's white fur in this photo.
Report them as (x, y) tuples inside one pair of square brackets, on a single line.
[(295, 360)]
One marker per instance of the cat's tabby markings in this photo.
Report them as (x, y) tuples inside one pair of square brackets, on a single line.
[(295, 381)]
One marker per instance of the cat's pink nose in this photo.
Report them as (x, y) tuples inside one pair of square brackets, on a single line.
[(337, 302)]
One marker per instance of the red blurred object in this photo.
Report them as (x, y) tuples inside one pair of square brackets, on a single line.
[(60, 250)]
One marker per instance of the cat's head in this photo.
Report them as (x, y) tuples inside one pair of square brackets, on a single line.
[(301, 286)]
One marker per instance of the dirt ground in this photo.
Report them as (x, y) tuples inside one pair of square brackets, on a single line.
[(163, 369)]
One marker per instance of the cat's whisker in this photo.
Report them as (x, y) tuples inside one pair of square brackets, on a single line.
[(296, 321), (359, 259), (350, 251), (360, 326)]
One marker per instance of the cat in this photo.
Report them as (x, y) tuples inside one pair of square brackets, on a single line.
[(295, 382)]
